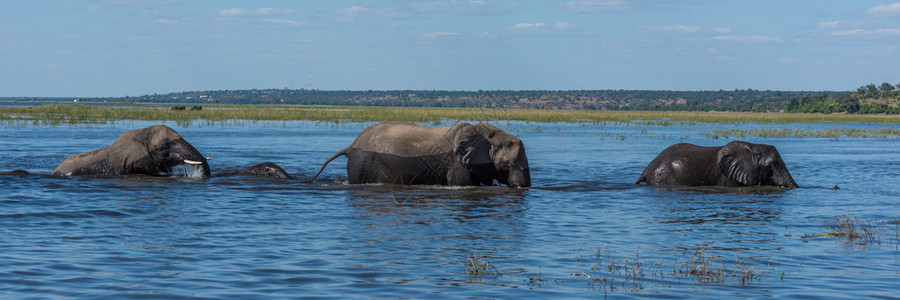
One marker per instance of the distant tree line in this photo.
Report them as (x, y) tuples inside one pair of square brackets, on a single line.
[(734, 100), (867, 99)]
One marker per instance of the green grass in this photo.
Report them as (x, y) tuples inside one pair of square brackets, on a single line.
[(881, 133), (70, 114), (852, 230), (57, 114), (479, 266), (703, 266)]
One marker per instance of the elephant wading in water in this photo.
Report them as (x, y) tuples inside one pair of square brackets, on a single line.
[(150, 151), (463, 154), (266, 169), (735, 164)]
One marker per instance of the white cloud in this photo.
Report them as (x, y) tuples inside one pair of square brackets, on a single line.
[(439, 34), (613, 6), (266, 11), (89, 8), (672, 29), (597, 6), (139, 2), (682, 30), (539, 27), (715, 52), (283, 22), (532, 28), (233, 12), (457, 6), (884, 10), (526, 26), (167, 21), (564, 25), (863, 32), (839, 24), (748, 39), (357, 13), (721, 30)]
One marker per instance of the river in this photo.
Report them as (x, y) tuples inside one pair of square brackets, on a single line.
[(584, 230)]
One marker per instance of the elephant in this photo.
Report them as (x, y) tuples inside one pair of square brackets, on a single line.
[(16, 172), (150, 151), (463, 154), (737, 163), (266, 169)]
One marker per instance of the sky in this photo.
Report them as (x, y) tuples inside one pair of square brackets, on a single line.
[(115, 48)]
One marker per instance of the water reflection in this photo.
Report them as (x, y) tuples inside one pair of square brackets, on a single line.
[(432, 205), (733, 219), (718, 205), (416, 226)]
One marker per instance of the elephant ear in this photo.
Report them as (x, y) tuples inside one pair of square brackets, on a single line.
[(736, 161), (131, 152), (472, 148)]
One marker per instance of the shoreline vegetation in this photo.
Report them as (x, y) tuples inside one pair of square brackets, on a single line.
[(868, 99), (102, 113), (93, 112)]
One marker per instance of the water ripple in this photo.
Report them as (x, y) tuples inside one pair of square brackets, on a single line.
[(245, 237)]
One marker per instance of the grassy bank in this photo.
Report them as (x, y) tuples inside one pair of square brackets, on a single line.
[(55, 114)]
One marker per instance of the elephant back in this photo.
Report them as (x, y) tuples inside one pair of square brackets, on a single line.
[(403, 139)]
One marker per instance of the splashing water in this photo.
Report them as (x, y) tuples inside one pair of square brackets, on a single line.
[(188, 171)]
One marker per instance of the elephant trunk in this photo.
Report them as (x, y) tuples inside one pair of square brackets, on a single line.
[(183, 152), (519, 178), (783, 178)]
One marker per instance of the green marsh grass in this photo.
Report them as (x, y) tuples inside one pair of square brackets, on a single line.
[(61, 114), (852, 230), (881, 133), (479, 266), (703, 266)]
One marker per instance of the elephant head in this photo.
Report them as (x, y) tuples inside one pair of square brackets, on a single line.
[(754, 165), (492, 154), (151, 151)]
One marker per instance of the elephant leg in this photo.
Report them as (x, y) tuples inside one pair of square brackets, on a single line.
[(358, 164), (460, 175)]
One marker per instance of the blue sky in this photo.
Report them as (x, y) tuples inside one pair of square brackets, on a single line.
[(138, 47)]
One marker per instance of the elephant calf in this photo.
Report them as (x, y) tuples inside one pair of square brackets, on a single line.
[(149, 151), (463, 154), (266, 169), (735, 164)]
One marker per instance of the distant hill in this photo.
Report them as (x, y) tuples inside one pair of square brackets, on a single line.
[(867, 99)]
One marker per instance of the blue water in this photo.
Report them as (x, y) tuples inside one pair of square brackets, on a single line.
[(240, 237)]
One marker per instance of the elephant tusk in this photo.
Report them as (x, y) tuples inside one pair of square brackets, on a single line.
[(192, 162), (208, 158)]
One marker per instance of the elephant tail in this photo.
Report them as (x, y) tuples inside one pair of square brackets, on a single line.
[(642, 178), (339, 153)]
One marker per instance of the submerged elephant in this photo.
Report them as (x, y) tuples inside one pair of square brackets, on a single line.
[(266, 169), (463, 154), (735, 164), (150, 151)]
